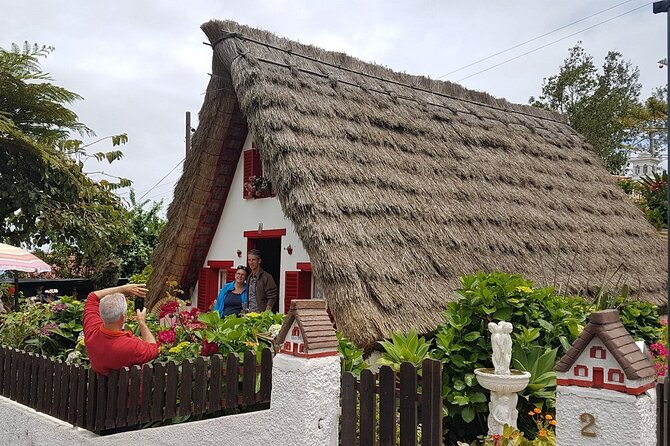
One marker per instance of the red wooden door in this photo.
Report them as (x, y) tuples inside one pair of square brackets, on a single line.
[(598, 377)]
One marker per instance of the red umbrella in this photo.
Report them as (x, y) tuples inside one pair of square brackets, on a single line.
[(16, 259)]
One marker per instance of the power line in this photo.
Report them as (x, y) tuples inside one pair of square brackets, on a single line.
[(551, 43), (533, 39), (161, 180)]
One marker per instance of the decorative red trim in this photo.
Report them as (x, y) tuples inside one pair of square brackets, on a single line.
[(615, 387), (303, 266), (220, 264), (265, 233)]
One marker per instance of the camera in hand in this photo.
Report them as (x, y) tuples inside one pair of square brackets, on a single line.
[(139, 304)]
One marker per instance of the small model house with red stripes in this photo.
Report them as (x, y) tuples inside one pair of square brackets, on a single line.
[(605, 356), (307, 330), (377, 190)]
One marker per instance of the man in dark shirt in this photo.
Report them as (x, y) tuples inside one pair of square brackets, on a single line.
[(262, 289)]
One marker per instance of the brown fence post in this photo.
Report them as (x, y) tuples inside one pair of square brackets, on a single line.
[(266, 376), (172, 382), (368, 403), (232, 381), (431, 403), (215, 388), (349, 416), (407, 404), (186, 391), (387, 407)]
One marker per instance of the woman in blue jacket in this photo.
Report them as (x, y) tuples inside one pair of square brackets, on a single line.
[(232, 298)]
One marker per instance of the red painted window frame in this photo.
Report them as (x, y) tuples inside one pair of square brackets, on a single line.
[(612, 372), (595, 349), (581, 367)]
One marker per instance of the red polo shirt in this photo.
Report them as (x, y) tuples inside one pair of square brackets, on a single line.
[(108, 349)]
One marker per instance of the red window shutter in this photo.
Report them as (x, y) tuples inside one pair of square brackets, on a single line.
[(297, 285), (290, 289), (208, 287), (252, 167), (230, 274)]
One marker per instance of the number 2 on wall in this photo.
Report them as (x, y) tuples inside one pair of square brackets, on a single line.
[(590, 420)]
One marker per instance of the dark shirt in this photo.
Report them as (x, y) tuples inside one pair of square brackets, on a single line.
[(232, 303)]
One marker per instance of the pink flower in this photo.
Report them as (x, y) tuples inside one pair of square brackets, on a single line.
[(58, 307), (167, 336), (47, 329), (169, 308)]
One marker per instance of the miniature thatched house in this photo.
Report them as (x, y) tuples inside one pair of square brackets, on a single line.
[(386, 188), (605, 356)]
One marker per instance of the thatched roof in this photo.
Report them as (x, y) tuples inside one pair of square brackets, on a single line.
[(398, 184)]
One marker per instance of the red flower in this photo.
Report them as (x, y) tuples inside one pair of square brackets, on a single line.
[(208, 348), (11, 290), (167, 336), (168, 309)]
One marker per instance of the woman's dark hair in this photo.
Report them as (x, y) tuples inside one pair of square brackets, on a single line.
[(242, 267)]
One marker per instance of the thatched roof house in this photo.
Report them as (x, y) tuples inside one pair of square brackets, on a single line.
[(398, 184)]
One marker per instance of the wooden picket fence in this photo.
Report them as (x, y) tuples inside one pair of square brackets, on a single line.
[(378, 408), (139, 395), (662, 434)]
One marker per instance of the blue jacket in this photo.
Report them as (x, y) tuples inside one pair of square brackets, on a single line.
[(220, 299)]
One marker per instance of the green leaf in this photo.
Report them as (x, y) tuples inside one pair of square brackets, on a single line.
[(468, 414)]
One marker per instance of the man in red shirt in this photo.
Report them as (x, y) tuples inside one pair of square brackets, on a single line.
[(109, 346)]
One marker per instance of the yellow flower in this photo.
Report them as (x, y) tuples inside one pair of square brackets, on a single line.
[(531, 413), (537, 410), (524, 289), (253, 314), (553, 422), (250, 344), (179, 347), (548, 417)]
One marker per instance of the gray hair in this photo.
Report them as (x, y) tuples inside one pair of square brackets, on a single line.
[(255, 253), (112, 307)]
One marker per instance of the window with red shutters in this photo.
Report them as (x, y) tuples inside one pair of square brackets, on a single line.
[(208, 287), (252, 168), (297, 285)]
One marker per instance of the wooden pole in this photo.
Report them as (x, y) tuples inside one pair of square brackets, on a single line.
[(188, 131)]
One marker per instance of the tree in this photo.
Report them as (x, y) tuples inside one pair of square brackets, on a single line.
[(145, 225), (595, 102), (45, 196), (646, 124)]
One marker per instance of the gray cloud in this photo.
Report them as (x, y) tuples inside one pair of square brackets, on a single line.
[(141, 65)]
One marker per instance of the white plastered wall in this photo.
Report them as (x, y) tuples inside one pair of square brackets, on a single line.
[(240, 215), (619, 418), (304, 411)]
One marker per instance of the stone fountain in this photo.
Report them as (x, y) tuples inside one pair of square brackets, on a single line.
[(501, 381)]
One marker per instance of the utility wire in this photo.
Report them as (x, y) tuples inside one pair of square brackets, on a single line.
[(533, 39), (161, 180), (551, 43)]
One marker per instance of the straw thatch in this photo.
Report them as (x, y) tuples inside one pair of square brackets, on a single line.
[(398, 184)]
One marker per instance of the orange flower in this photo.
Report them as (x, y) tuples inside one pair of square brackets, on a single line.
[(548, 417), (537, 410), (553, 422), (531, 413), (542, 433)]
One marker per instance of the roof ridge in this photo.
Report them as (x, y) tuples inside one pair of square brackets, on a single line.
[(449, 90)]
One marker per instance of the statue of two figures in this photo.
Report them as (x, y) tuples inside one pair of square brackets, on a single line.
[(502, 407), (502, 346)]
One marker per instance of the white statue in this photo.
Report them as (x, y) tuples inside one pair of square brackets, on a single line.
[(502, 346), (502, 411)]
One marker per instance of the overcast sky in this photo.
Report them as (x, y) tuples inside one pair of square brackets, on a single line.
[(140, 65)]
